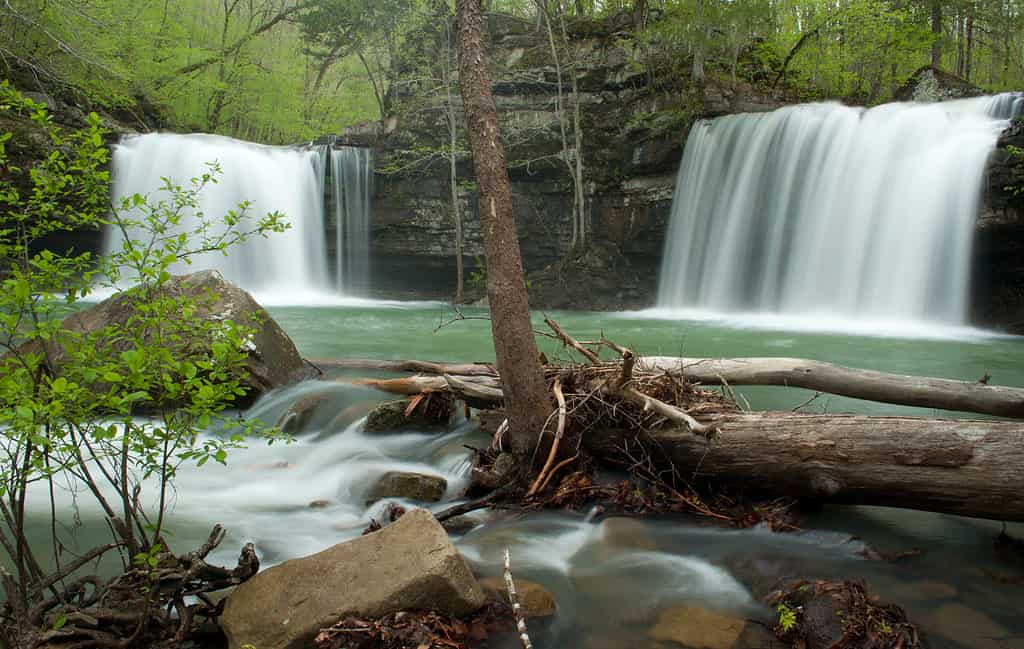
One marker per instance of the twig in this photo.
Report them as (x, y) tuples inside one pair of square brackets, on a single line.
[(572, 342), (513, 599), (808, 402), (558, 467), (553, 453)]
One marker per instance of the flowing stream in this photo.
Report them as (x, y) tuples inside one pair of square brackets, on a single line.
[(612, 577), (832, 213)]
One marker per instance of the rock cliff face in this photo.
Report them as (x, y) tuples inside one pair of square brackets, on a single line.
[(636, 110), (998, 283)]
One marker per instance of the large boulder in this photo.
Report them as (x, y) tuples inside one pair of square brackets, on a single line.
[(273, 360), (409, 565)]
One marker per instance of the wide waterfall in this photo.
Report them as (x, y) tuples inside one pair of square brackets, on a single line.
[(352, 188), (285, 267), (830, 211)]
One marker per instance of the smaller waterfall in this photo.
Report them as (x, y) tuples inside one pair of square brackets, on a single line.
[(1005, 106), (352, 188), (285, 267)]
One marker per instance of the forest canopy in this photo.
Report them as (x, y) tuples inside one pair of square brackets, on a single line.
[(281, 71)]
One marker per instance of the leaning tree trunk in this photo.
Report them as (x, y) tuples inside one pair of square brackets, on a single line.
[(526, 397), (966, 467)]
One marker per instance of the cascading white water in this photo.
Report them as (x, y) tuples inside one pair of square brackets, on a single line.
[(827, 210), (285, 267), (1005, 106), (352, 186)]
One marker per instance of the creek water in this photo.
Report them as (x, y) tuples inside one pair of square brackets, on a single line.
[(612, 577)]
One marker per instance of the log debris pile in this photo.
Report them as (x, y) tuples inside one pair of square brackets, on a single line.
[(658, 417)]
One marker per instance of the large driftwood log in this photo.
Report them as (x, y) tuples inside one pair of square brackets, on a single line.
[(871, 385), (925, 392), (966, 467)]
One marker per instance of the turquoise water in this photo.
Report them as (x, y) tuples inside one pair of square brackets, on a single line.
[(427, 331)]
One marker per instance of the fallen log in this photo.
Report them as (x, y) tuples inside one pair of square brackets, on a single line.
[(871, 385), (421, 367), (964, 467), (477, 391)]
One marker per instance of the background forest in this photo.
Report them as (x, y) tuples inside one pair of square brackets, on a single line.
[(281, 71)]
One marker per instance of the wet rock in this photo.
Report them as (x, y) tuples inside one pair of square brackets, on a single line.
[(629, 533), (499, 473), (320, 504), (696, 627), (412, 486), (273, 361), (822, 626), (391, 416), (756, 636), (969, 627), (535, 599), (299, 415), (409, 565), (459, 524)]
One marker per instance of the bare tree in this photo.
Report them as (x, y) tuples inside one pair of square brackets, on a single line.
[(526, 398)]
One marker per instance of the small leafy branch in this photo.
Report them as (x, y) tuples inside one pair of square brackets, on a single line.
[(787, 617), (114, 412)]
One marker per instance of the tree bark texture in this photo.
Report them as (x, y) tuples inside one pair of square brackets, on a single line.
[(526, 397), (970, 468), (871, 385)]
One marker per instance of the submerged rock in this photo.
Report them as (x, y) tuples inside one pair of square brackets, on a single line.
[(622, 532), (301, 412), (535, 599), (696, 627), (412, 486), (969, 627), (409, 565)]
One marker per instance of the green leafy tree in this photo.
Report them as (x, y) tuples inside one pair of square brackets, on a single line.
[(113, 412)]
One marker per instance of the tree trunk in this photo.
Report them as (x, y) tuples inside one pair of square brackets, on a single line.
[(970, 468), (937, 33), (970, 46), (526, 397), (453, 180)]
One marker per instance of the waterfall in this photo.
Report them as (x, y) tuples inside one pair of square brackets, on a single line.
[(1005, 106), (832, 211), (352, 187), (285, 267)]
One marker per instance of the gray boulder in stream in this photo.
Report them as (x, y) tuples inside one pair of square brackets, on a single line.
[(273, 360), (412, 486), (409, 565)]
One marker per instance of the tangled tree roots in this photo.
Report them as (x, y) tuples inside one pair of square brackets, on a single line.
[(144, 606)]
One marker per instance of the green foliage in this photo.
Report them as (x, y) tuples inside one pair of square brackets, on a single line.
[(70, 402), (787, 617), (478, 277)]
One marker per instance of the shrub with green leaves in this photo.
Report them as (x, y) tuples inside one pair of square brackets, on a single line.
[(116, 411)]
